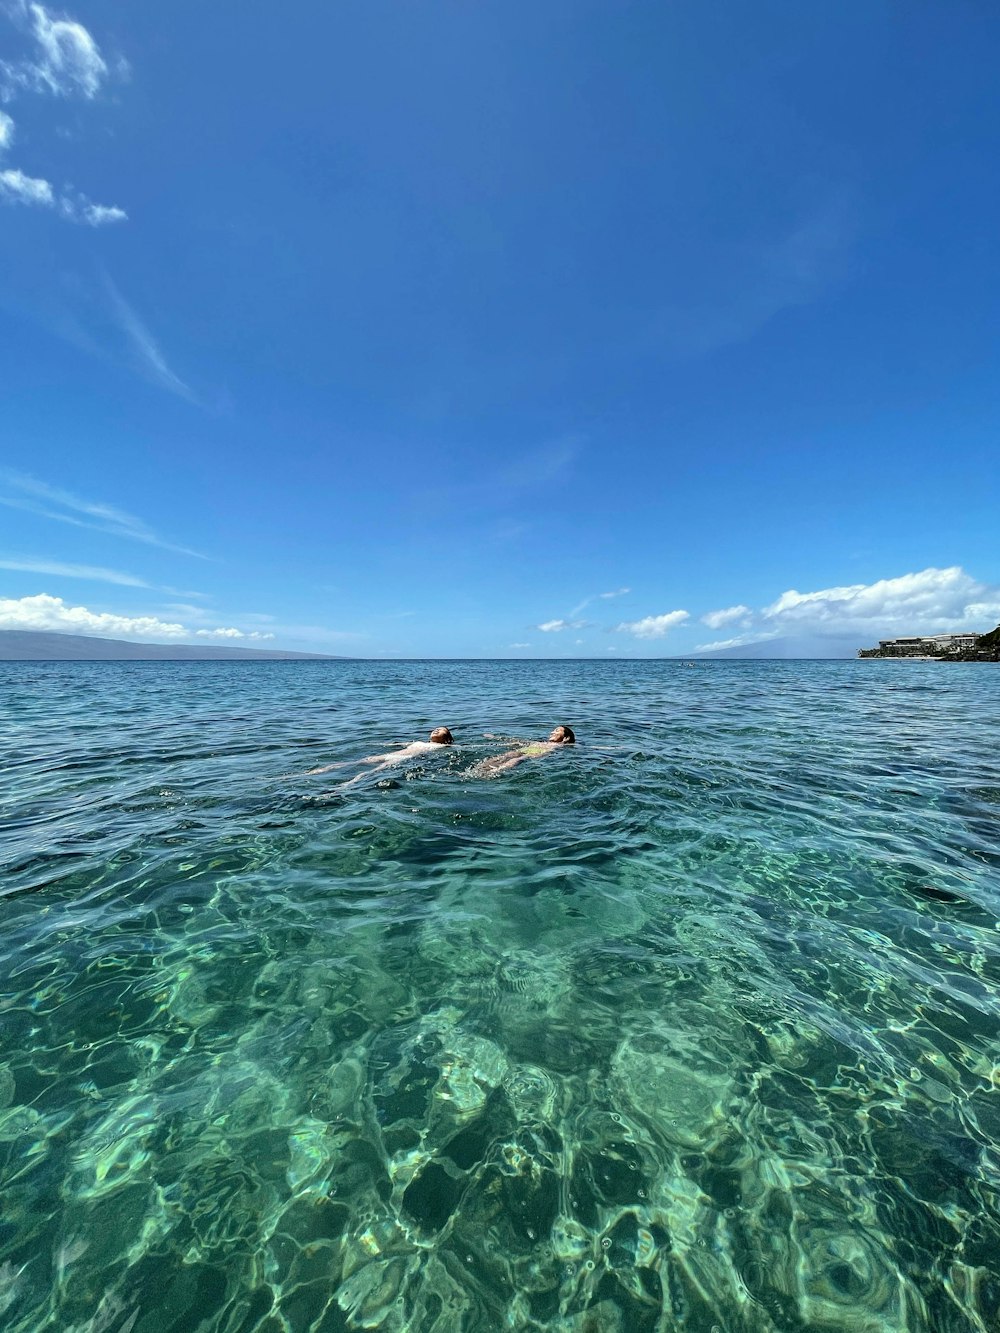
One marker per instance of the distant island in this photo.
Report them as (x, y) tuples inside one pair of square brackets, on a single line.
[(941, 647), (783, 647), (35, 646)]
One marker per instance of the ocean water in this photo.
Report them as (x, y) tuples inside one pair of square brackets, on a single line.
[(693, 1026)]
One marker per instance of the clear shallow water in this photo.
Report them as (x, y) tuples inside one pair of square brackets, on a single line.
[(696, 1032)]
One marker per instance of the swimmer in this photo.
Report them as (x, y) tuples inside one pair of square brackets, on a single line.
[(439, 736), (526, 750)]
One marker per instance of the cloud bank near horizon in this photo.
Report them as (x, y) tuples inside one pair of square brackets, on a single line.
[(44, 613), (926, 602)]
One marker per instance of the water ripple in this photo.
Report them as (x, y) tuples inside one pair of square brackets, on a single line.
[(691, 1027)]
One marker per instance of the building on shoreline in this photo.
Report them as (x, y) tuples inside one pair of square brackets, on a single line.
[(966, 647), (926, 645)]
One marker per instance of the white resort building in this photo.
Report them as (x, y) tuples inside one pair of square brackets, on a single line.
[(921, 645)]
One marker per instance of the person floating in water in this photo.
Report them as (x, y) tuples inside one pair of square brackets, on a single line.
[(439, 736), (526, 750)]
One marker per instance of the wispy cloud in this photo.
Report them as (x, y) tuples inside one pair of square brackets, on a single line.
[(64, 61), (600, 596), (42, 612), (59, 570), (142, 346), (91, 312), (539, 466), (519, 645), (756, 282), (187, 609), (730, 616), (94, 215), (572, 621), (512, 482), (34, 192), (557, 626), (64, 507), (653, 627), (17, 188)]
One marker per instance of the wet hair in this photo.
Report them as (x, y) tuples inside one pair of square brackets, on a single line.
[(442, 736), (568, 736)]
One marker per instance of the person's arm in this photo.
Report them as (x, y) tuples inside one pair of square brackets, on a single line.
[(369, 759)]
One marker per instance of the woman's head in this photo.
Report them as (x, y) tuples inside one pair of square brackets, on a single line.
[(442, 736), (563, 736)]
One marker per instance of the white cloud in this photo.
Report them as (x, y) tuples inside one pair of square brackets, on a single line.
[(716, 619), (930, 601), (653, 627), (230, 633), (619, 592), (67, 61), (557, 626), (92, 215), (519, 645), (63, 507), (17, 188), (924, 602), (45, 613), (61, 570), (71, 61)]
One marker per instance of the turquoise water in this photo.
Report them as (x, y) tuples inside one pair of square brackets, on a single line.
[(694, 1026)]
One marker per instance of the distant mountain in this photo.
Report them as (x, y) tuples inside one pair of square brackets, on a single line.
[(28, 646), (826, 645)]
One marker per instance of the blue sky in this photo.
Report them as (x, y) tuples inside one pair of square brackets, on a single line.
[(496, 330)]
